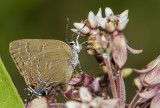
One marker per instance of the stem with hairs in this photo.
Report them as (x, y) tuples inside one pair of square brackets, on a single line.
[(110, 75)]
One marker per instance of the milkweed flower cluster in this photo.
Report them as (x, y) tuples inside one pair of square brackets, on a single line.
[(87, 101), (113, 42), (96, 86), (109, 46), (150, 83)]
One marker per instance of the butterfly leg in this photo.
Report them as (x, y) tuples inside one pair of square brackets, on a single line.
[(83, 43), (80, 67), (76, 71), (77, 40)]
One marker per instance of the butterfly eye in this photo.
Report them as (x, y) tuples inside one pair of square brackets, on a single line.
[(34, 86), (71, 43)]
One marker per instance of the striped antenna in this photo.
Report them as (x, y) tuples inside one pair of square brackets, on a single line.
[(67, 30)]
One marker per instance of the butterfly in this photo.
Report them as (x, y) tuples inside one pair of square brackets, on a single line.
[(45, 63)]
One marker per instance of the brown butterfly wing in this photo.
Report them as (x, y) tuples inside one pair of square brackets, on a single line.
[(42, 60)]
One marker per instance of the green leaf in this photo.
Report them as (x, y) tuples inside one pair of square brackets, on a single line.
[(9, 97)]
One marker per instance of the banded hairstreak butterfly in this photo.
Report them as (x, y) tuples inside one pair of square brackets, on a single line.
[(45, 63)]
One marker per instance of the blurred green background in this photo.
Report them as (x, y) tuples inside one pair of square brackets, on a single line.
[(20, 19)]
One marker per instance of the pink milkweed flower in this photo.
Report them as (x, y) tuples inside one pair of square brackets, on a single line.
[(43, 102), (153, 95), (119, 48), (113, 22), (114, 42), (150, 80), (150, 75), (88, 26), (88, 101), (94, 85)]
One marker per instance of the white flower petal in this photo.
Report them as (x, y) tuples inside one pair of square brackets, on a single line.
[(75, 30), (124, 15), (102, 22), (85, 94), (108, 11), (92, 20), (109, 103), (110, 27), (79, 26), (73, 104), (96, 103), (122, 24), (83, 29), (37, 103), (95, 84), (99, 14), (85, 105)]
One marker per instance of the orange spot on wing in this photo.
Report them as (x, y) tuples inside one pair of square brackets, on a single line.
[(34, 86)]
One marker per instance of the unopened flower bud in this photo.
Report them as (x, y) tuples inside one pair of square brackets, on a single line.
[(137, 84), (104, 69), (126, 72)]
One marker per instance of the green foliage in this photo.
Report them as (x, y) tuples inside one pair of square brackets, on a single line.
[(9, 97)]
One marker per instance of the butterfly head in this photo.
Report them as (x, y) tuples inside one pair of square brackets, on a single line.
[(75, 45), (71, 43)]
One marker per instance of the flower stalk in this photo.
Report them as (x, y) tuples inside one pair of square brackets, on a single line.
[(111, 77), (121, 90), (134, 101)]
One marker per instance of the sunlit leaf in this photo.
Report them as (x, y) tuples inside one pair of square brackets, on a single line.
[(9, 97)]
